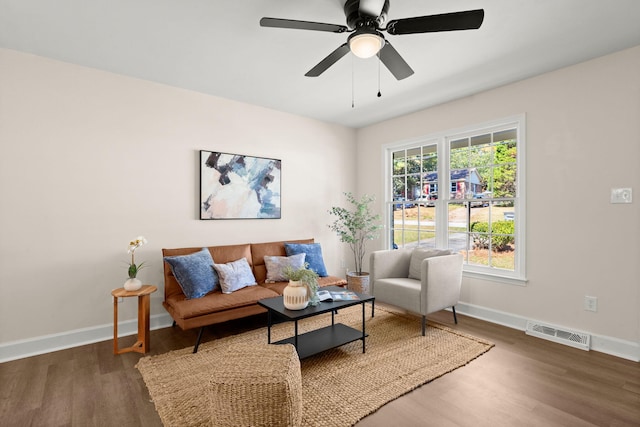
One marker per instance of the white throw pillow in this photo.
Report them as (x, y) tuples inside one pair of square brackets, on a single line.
[(276, 266), (420, 254), (235, 275)]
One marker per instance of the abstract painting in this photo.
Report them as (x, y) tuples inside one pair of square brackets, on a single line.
[(235, 186)]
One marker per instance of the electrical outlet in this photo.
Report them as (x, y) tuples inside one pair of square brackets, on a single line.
[(342, 264), (590, 303)]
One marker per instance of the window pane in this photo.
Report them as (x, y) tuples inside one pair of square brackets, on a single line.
[(506, 152), (459, 143), (504, 181), (505, 135), (413, 160), (413, 186), (429, 159), (480, 155), (483, 168), (486, 181), (459, 154), (398, 188), (480, 140), (492, 236), (399, 163), (458, 220), (399, 223), (426, 216)]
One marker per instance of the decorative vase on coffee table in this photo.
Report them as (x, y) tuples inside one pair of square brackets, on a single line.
[(132, 284), (295, 296)]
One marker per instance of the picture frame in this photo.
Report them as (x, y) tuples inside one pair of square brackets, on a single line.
[(237, 186)]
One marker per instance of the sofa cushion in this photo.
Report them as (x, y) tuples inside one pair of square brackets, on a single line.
[(399, 291), (194, 272), (313, 253), (235, 275), (217, 302), (418, 255), (277, 265)]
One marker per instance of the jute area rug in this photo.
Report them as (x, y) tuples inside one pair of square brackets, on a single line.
[(339, 386)]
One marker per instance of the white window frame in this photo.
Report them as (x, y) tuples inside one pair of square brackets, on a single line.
[(442, 139)]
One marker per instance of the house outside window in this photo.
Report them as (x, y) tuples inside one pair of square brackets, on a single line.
[(482, 214)]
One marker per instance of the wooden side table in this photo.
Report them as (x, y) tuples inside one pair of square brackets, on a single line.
[(142, 345)]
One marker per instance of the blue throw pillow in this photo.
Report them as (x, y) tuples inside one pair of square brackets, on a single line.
[(194, 272), (314, 255)]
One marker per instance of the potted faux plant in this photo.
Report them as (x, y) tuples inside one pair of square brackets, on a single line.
[(355, 227), (302, 288), (133, 283)]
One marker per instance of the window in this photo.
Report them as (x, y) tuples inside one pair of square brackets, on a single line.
[(482, 214), (414, 188)]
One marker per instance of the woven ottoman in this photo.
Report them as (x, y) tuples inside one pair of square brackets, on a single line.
[(257, 385)]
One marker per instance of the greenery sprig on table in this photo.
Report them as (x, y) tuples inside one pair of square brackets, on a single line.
[(356, 226), (306, 276)]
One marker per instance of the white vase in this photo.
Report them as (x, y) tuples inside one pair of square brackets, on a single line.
[(132, 284), (295, 296)]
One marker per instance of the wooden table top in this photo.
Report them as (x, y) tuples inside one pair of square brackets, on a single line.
[(144, 290)]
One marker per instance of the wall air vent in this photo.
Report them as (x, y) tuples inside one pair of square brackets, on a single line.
[(560, 335)]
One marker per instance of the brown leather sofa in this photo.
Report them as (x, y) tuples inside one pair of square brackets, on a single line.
[(216, 307)]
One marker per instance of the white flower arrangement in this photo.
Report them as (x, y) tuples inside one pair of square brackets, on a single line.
[(133, 245)]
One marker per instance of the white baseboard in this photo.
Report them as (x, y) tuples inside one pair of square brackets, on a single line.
[(54, 342), (614, 346), (49, 343)]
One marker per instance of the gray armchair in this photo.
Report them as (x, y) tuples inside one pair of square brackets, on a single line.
[(418, 280)]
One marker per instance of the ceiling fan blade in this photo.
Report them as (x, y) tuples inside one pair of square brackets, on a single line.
[(371, 7), (467, 20), (302, 25), (328, 61), (394, 62)]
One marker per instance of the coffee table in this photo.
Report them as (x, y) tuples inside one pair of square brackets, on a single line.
[(319, 340)]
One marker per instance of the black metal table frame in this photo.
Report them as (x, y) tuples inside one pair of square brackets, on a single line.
[(321, 339)]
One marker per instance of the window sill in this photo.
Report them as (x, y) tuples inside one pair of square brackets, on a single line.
[(496, 278)]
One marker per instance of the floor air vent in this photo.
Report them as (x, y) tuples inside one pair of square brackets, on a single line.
[(560, 335)]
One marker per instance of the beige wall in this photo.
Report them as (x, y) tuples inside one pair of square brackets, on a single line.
[(583, 138), (91, 159)]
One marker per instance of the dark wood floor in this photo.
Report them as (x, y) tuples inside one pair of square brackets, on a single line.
[(522, 381)]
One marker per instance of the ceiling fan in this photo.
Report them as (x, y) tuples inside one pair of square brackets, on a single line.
[(366, 20)]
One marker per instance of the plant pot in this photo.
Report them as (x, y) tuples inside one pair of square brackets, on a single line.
[(295, 296), (132, 284), (358, 282)]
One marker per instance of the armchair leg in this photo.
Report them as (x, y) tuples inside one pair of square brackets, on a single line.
[(424, 324), (455, 318)]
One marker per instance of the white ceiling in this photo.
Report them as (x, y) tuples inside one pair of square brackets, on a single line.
[(217, 47)]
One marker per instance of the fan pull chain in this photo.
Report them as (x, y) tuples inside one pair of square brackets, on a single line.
[(353, 102), (379, 93)]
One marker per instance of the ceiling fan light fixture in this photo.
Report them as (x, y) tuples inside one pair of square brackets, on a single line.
[(365, 45)]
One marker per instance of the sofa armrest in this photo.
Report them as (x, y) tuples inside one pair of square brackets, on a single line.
[(388, 263)]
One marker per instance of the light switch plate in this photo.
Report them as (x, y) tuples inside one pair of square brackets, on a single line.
[(621, 195)]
